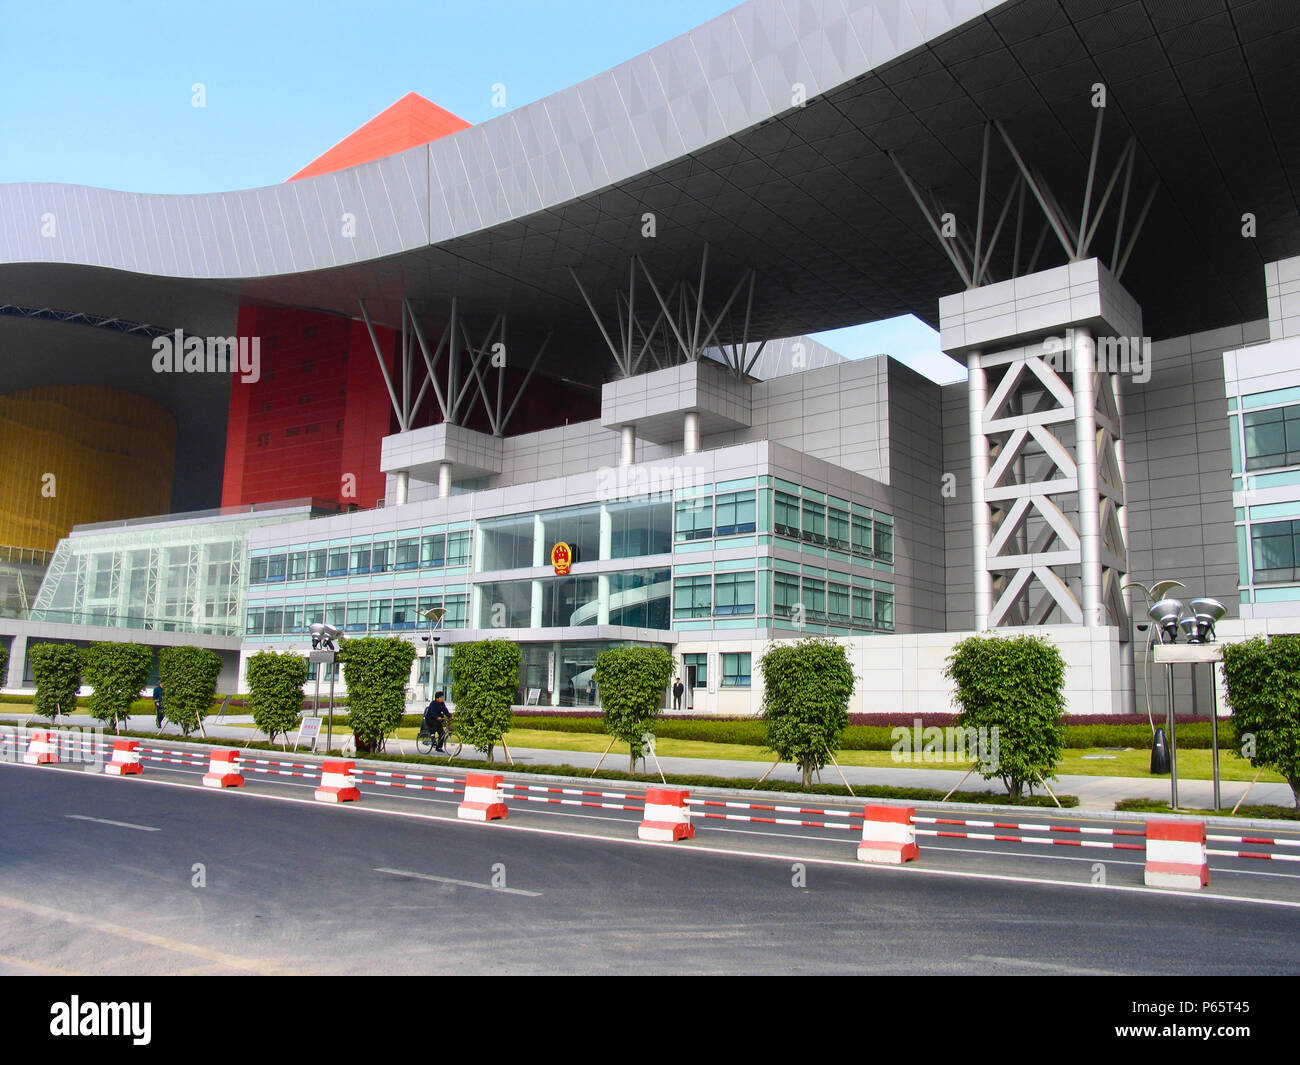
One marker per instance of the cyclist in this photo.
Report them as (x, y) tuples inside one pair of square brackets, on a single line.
[(436, 717)]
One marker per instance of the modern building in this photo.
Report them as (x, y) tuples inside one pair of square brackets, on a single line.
[(548, 374)]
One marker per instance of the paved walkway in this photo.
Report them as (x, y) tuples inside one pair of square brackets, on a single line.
[(1094, 792)]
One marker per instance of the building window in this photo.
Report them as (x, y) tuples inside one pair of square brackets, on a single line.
[(735, 670), (787, 514), (433, 551), (814, 522), (885, 610), (884, 542), (1275, 547), (316, 563), (257, 570), (692, 597), (838, 530), (356, 616), (695, 519), (838, 602), (297, 566), (736, 513), (404, 613), (814, 598), (458, 548), (253, 624), (733, 594), (381, 556), (381, 615), (1273, 438), (863, 616), (360, 559), (700, 663), (786, 598), (338, 562), (408, 553), (862, 542)]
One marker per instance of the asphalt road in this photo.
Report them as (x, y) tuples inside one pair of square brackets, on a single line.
[(105, 875)]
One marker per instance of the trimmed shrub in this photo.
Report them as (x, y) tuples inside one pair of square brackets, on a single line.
[(485, 680), (189, 682), (4, 664), (118, 672), (1263, 681), (1010, 690), (806, 690), (632, 682), (56, 668), (377, 670), (275, 684)]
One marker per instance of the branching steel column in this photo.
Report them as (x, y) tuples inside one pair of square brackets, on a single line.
[(957, 263), (388, 381)]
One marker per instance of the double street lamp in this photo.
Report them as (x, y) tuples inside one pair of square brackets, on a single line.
[(323, 650), (1196, 625)]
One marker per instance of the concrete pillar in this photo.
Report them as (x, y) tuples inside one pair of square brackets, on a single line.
[(540, 554), (691, 433), (1084, 361), (17, 663), (402, 487), (977, 397), (535, 605), (444, 480), (602, 598), (627, 449), (1128, 674), (606, 532)]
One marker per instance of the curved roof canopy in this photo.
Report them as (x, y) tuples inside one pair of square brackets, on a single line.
[(766, 133)]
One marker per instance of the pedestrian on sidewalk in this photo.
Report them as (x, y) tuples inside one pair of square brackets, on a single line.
[(157, 706)]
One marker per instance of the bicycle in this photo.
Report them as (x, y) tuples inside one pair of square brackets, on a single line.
[(451, 745)]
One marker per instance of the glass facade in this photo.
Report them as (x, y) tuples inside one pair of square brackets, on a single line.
[(184, 576)]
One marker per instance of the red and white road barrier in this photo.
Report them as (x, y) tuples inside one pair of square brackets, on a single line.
[(125, 760), (336, 783), (667, 816), (484, 799), (887, 835), (43, 749), (223, 770), (1176, 856)]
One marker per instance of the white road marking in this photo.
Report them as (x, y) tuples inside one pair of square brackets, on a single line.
[(119, 824), (459, 883)]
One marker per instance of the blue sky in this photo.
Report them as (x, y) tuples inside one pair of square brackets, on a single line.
[(101, 93)]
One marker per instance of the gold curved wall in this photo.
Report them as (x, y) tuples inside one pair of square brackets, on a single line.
[(110, 453)]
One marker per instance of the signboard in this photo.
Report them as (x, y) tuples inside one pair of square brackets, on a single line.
[(308, 730), (561, 558), (534, 694), (550, 671), (714, 670)]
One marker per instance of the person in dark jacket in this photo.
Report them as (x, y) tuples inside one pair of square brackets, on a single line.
[(157, 706), (679, 689), (436, 716)]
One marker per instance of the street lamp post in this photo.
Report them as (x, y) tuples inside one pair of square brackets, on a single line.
[(323, 652), (1197, 627)]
